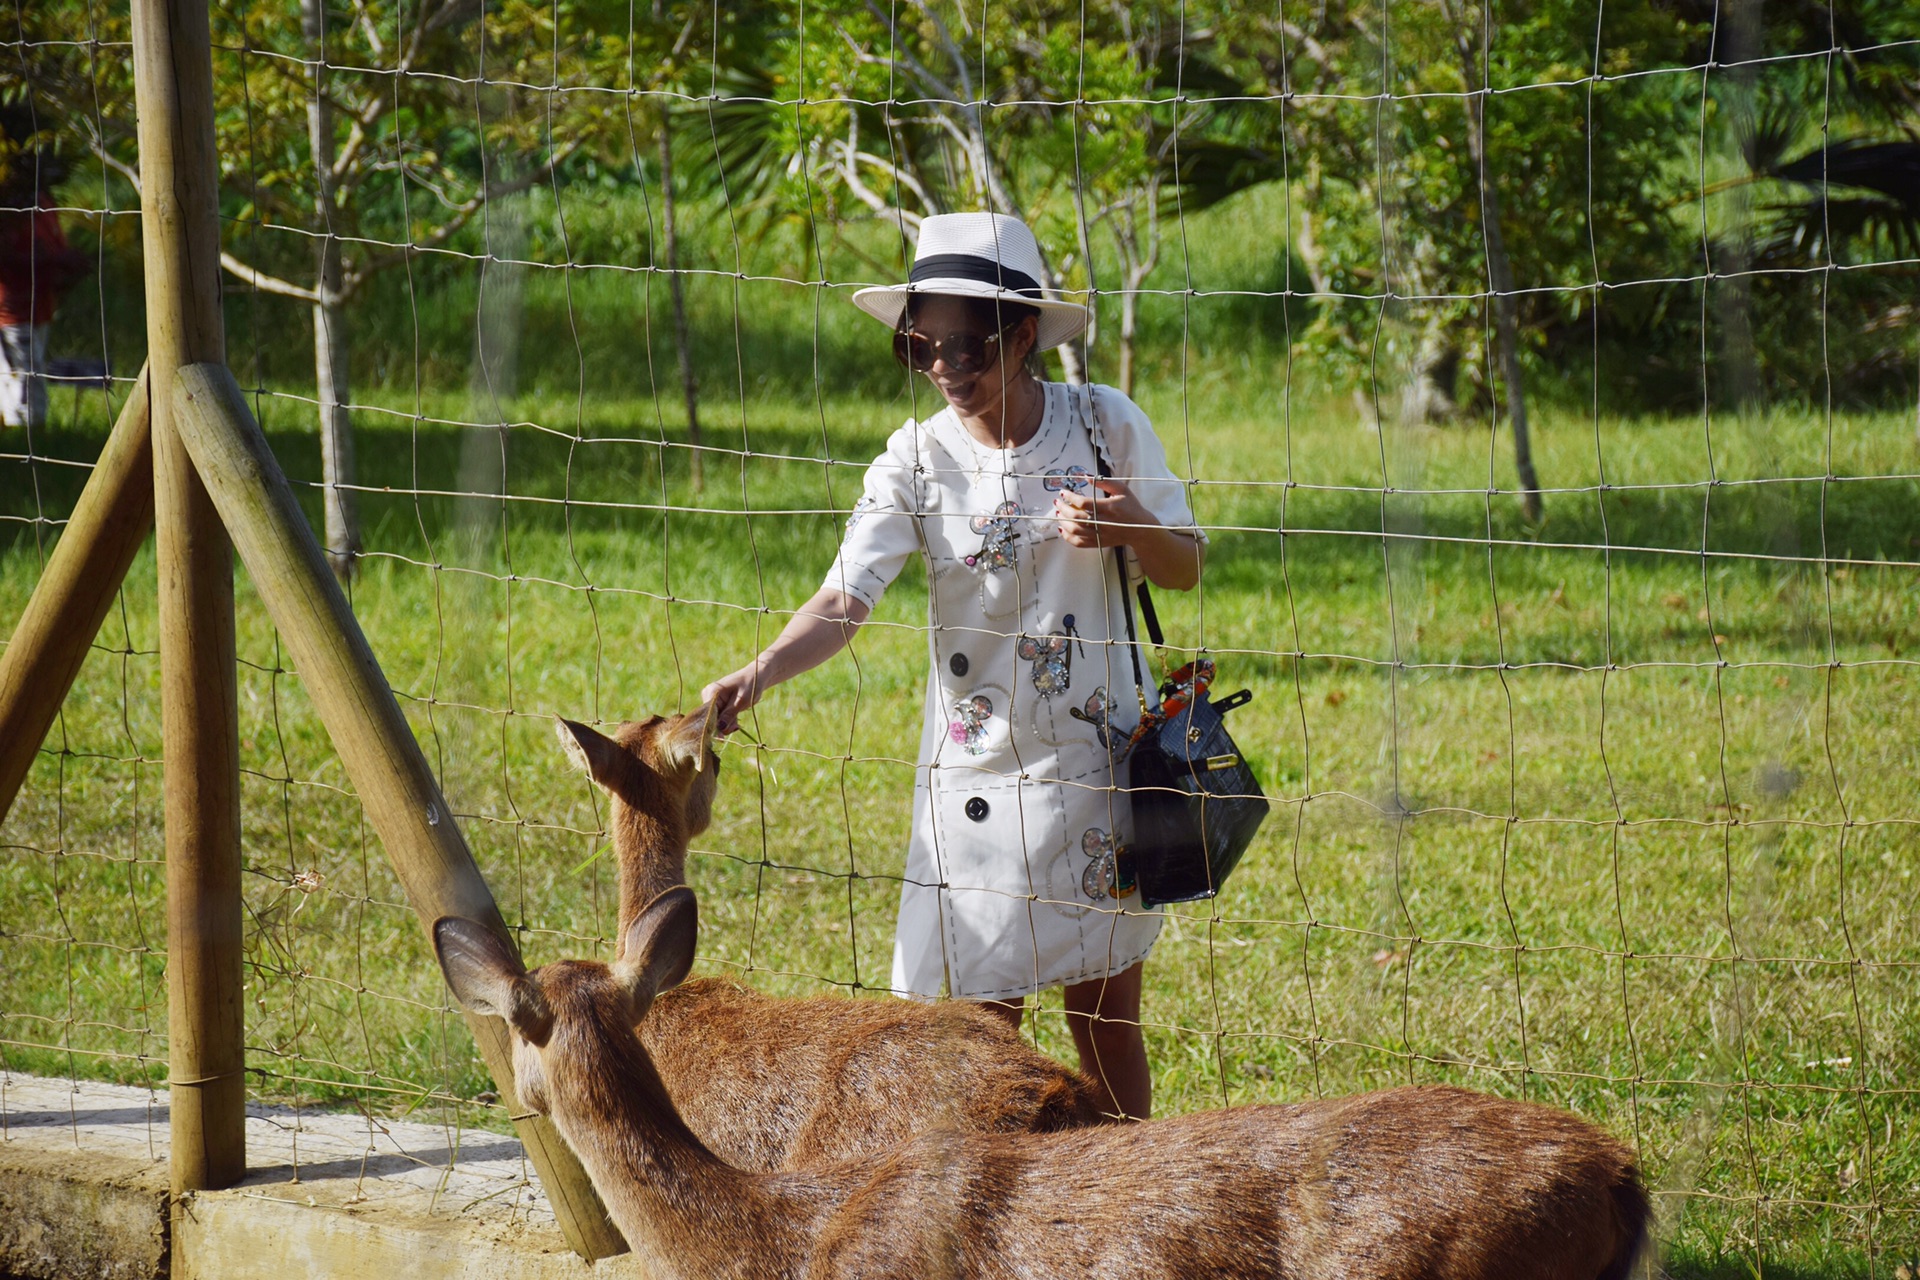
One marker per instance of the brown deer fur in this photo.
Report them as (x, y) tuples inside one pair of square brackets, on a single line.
[(773, 1083), (1427, 1183)]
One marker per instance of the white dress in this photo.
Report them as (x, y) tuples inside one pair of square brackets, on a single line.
[(1011, 883)]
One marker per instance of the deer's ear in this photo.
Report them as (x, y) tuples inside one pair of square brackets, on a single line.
[(659, 951), (691, 736), (487, 978), (591, 751)]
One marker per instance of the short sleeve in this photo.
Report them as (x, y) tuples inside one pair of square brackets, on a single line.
[(881, 531), (1133, 452)]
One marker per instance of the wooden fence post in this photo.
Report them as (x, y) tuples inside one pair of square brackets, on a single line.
[(75, 591), (369, 731), (180, 232)]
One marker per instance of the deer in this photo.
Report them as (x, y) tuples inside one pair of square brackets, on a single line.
[(785, 1083), (1416, 1183)]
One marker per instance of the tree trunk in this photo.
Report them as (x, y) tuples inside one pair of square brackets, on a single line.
[(682, 336), (1739, 381), (1506, 310), (1091, 337), (1139, 266), (1429, 394), (1072, 367), (330, 345), (1305, 243), (330, 365)]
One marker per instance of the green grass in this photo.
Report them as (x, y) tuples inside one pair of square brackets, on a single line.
[(1522, 836)]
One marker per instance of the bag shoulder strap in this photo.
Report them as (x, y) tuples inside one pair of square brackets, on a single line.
[(1147, 613)]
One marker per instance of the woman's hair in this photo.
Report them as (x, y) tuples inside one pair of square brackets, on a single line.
[(993, 315)]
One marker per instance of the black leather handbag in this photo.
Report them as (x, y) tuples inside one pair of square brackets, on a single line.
[(1196, 804)]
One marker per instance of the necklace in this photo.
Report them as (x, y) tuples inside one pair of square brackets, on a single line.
[(1032, 427), (1003, 451), (1030, 420)]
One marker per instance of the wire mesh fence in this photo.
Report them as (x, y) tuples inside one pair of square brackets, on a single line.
[(544, 306)]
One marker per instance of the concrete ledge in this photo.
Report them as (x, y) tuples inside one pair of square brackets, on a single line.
[(235, 1235), (72, 1215), (84, 1193)]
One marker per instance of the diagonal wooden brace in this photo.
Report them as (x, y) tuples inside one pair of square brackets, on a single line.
[(364, 720), (84, 573)]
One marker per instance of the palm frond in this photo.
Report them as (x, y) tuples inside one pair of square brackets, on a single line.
[(1890, 168)]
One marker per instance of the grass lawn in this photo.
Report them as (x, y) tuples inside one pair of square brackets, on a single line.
[(1571, 812)]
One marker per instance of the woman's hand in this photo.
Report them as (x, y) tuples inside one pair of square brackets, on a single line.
[(1113, 517), (733, 694)]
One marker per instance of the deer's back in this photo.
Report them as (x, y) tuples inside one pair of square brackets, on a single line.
[(1421, 1184), (772, 1083)]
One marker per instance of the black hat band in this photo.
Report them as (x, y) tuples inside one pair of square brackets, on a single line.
[(967, 266)]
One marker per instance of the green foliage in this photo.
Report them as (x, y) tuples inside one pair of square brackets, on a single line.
[(1629, 174), (432, 106), (1389, 196)]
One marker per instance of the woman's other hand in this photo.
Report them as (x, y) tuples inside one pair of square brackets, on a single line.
[(1112, 517)]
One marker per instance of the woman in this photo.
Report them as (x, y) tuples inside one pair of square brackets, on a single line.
[(1015, 494)]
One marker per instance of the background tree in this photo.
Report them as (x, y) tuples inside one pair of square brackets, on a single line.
[(1405, 196), (1827, 173), (1074, 120), (905, 116), (1470, 47), (662, 78), (1145, 98), (809, 141), (365, 132)]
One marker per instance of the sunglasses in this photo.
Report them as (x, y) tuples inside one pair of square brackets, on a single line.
[(963, 352)]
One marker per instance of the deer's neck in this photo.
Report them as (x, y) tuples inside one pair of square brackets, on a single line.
[(652, 851), (682, 1210)]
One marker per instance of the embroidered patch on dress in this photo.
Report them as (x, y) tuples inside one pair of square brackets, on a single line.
[(1109, 875), (1074, 478), (860, 509), (969, 724), (1098, 712), (1052, 659), (997, 551)]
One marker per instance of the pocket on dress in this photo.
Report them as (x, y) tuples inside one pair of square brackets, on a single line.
[(1003, 591)]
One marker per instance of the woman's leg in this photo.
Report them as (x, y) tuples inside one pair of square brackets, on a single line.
[(1104, 1016), (1011, 1010)]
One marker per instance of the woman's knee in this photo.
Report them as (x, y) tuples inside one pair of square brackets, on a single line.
[(1106, 1001), (1008, 1011)]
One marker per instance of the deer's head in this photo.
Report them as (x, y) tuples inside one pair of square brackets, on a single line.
[(572, 1021), (664, 767)]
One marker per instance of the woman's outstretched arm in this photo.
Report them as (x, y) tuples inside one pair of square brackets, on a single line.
[(820, 629)]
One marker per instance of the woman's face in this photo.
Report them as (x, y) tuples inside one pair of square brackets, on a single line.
[(973, 395)]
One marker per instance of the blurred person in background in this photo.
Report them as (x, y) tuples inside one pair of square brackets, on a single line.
[(37, 267)]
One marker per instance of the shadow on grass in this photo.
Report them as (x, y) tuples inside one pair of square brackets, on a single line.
[(412, 479)]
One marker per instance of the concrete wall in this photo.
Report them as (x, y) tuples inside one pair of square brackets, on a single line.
[(72, 1216), (83, 1196)]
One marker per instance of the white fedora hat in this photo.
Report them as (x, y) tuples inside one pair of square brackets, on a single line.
[(977, 255)]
